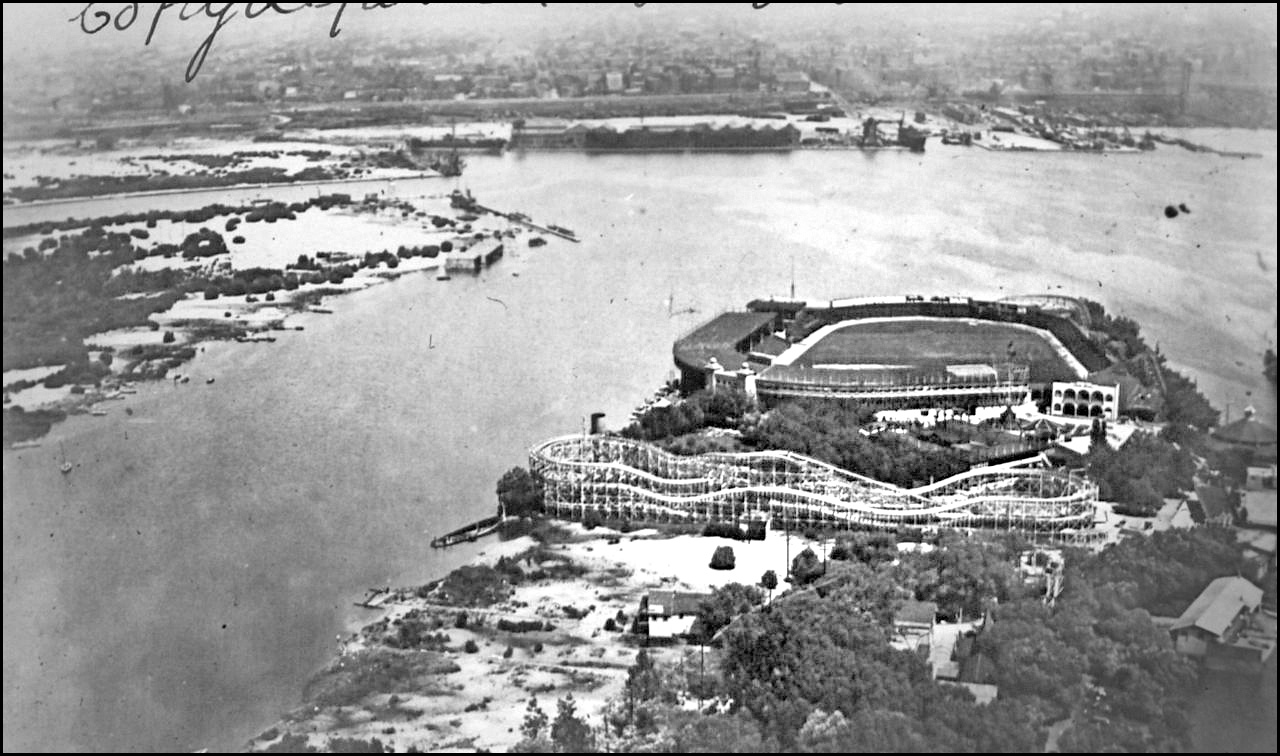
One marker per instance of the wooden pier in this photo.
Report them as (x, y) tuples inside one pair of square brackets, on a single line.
[(468, 533)]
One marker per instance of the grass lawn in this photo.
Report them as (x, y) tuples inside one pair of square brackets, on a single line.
[(938, 342)]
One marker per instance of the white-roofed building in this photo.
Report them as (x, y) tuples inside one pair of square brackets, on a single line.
[(1224, 624)]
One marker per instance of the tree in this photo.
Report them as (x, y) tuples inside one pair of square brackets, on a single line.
[(168, 337), (533, 730), (716, 733), (644, 683), (569, 733), (769, 581), (722, 606), (806, 568), (519, 493), (723, 558)]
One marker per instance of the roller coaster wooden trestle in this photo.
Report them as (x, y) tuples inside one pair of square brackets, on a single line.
[(616, 477)]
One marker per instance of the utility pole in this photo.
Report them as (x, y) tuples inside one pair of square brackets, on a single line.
[(793, 276), (786, 525)]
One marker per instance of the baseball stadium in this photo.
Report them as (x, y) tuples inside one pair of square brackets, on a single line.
[(894, 352)]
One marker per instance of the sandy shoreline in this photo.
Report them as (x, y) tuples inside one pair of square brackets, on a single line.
[(482, 703)]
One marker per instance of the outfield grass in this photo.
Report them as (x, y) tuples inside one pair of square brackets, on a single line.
[(938, 342)]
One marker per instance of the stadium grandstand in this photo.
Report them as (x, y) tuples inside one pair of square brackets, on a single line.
[(615, 477)]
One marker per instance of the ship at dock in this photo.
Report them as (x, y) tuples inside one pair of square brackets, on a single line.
[(448, 164), (907, 136), (463, 200)]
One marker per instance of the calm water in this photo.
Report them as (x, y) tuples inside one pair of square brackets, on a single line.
[(178, 588)]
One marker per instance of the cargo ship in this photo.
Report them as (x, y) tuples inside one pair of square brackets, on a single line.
[(912, 138)]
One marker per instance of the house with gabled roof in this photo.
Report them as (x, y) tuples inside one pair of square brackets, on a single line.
[(1224, 625)]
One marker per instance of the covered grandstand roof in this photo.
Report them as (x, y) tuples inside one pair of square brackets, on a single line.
[(1219, 604), (889, 375), (972, 371), (772, 345), (722, 337)]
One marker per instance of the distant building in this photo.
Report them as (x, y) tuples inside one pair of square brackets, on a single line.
[(667, 614), (1211, 505), (1224, 626), (792, 82), (1084, 399), (1250, 434), (1260, 477), (723, 79), (613, 81), (1140, 384), (913, 625), (1259, 498)]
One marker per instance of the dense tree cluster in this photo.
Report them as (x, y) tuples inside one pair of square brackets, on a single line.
[(1164, 572), (73, 285), (722, 558), (53, 300), (1183, 402), (965, 576), (814, 671), (1140, 474), (567, 733), (830, 432), (520, 492), (723, 408), (725, 603)]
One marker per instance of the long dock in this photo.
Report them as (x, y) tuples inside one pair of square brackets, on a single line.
[(519, 218), (375, 598), (468, 533)]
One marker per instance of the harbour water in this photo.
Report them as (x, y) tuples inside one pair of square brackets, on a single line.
[(178, 588)]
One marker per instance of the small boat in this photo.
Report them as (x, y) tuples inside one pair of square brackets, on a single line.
[(561, 229), (98, 412), (65, 467), (208, 380)]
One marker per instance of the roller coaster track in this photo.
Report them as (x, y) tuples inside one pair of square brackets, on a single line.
[(618, 477)]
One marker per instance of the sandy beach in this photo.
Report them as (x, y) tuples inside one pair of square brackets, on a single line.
[(478, 700)]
